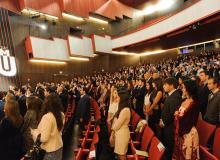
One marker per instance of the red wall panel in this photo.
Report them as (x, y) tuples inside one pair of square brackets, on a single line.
[(82, 7), (11, 5)]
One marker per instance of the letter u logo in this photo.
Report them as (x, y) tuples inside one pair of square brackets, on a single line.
[(7, 64)]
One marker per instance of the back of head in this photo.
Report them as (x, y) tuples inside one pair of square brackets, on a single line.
[(124, 101), (171, 81), (34, 104), (53, 104), (13, 113), (9, 96), (191, 87)]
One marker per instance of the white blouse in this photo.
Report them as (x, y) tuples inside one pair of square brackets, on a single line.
[(51, 137), (113, 108), (147, 100)]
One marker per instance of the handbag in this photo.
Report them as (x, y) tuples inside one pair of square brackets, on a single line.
[(36, 153)]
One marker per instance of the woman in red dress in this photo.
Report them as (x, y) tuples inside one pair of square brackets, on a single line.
[(186, 135)]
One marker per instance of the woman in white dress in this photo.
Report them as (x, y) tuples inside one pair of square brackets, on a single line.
[(147, 102), (114, 101)]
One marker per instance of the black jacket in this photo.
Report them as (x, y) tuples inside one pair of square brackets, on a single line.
[(213, 109), (10, 141), (172, 103), (83, 109), (64, 100), (203, 99), (22, 105)]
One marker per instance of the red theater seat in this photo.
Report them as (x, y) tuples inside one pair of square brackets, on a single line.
[(216, 145), (205, 131), (134, 122), (147, 136), (206, 155), (156, 149)]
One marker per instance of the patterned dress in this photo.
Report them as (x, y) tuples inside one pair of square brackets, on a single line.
[(186, 135)]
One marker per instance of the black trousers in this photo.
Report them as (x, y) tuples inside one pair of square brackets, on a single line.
[(168, 141)]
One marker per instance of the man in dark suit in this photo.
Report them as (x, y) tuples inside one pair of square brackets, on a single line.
[(213, 108), (171, 104), (83, 108), (22, 101), (140, 98), (203, 92), (177, 73), (63, 97)]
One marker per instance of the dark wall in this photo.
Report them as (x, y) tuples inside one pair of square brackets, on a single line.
[(6, 41), (22, 27)]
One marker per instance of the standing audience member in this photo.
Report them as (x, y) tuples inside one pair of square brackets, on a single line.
[(10, 132), (213, 108), (172, 103), (31, 120), (203, 92), (186, 135), (1, 105), (120, 129), (63, 97), (154, 111), (147, 103), (83, 108), (50, 128), (22, 101), (140, 98), (114, 102)]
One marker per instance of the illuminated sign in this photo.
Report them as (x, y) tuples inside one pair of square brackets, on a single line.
[(7, 63)]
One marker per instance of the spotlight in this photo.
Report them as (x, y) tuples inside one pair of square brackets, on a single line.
[(43, 26)]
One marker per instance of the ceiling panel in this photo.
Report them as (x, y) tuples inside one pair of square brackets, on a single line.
[(134, 3)]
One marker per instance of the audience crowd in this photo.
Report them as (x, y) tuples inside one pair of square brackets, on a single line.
[(170, 95)]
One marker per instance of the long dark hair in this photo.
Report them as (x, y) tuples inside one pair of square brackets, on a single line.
[(159, 84), (151, 87), (13, 113), (35, 104), (192, 88), (53, 104), (124, 102)]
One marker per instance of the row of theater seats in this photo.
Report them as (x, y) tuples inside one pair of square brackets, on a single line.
[(143, 141), (206, 133), (147, 142), (89, 138), (69, 112)]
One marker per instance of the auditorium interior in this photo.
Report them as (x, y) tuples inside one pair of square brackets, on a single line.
[(109, 79)]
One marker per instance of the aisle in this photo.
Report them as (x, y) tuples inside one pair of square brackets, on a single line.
[(71, 143)]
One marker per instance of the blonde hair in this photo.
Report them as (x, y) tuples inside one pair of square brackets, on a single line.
[(112, 98), (13, 113)]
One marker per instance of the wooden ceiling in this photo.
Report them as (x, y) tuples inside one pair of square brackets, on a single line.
[(77, 7), (134, 3)]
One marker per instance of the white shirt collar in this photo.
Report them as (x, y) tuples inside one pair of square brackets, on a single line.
[(215, 91), (171, 92)]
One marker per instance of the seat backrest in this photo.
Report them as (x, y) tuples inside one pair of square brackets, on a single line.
[(206, 155), (216, 145), (147, 136), (156, 149), (132, 112), (205, 131), (135, 120)]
